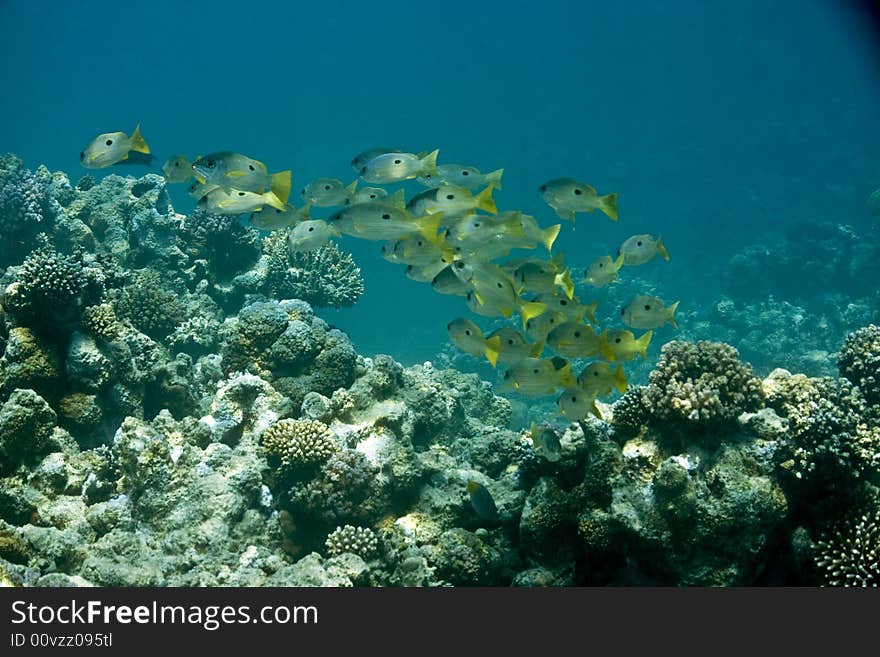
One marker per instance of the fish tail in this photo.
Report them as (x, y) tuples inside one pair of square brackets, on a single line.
[(595, 410), (566, 377), (529, 310), (485, 201), (350, 189), (429, 162), (564, 281), (397, 199), (137, 141), (280, 185), (271, 199), (671, 316), (643, 343), (494, 177), (620, 381), (429, 225), (493, 348), (590, 311), (662, 248), (538, 349), (608, 205), (549, 235), (605, 347), (620, 259)]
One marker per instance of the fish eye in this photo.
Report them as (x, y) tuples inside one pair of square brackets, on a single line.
[(465, 173), (109, 142), (396, 161), (177, 164), (476, 224), (573, 398), (563, 302), (385, 215), (616, 340), (326, 186), (639, 243), (535, 370), (595, 372), (449, 197), (623, 311), (82, 155), (647, 307), (543, 188), (210, 164), (311, 228), (601, 264), (577, 192), (372, 196), (507, 375), (459, 264), (467, 331), (303, 192), (577, 334), (241, 193), (251, 167), (363, 169), (498, 283)]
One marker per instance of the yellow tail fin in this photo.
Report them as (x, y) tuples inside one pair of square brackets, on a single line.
[(494, 177), (558, 261), (549, 235), (397, 199), (485, 202), (537, 349), (662, 248), (564, 281), (590, 311), (280, 185), (429, 224), (352, 187), (529, 310), (271, 199), (605, 347), (429, 163), (566, 377), (137, 141), (608, 205), (620, 379), (493, 348), (643, 343), (619, 262), (671, 317)]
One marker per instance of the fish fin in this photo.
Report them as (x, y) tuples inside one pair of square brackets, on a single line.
[(201, 179), (537, 349), (429, 224), (493, 348), (429, 162), (564, 281), (558, 261), (494, 177), (236, 174), (479, 298), (271, 199), (549, 235), (566, 377), (619, 379), (605, 347), (595, 410), (662, 248), (608, 205), (565, 214), (397, 199), (529, 310), (304, 213), (125, 157), (507, 312), (590, 311), (334, 231), (350, 189), (643, 343), (485, 201), (137, 141), (619, 262), (671, 317), (280, 184)]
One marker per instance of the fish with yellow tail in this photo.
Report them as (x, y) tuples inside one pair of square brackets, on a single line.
[(230, 171), (647, 312), (270, 218), (112, 148), (544, 277), (603, 271), (481, 500), (396, 167), (328, 192), (622, 345), (446, 282), (310, 235), (546, 442), (452, 201), (461, 176), (538, 328), (177, 169), (574, 340), (359, 160), (237, 201), (573, 309), (494, 289), (427, 272), (418, 250), (567, 197), (366, 194), (510, 346), (639, 249), (576, 404), (468, 337), (598, 379), (535, 377), (383, 221)]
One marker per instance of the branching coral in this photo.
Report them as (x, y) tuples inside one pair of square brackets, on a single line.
[(699, 385), (296, 443), (361, 541), (27, 205), (850, 555), (324, 277), (101, 321), (859, 361)]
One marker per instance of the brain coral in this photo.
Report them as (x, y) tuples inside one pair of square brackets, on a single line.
[(295, 443), (699, 385), (859, 361)]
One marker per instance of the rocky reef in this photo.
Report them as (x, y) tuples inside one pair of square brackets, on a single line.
[(175, 412)]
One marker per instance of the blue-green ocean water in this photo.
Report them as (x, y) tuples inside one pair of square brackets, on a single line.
[(718, 124)]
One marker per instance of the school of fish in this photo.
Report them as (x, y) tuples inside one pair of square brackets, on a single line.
[(452, 236)]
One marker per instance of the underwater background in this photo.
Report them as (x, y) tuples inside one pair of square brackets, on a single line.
[(744, 134)]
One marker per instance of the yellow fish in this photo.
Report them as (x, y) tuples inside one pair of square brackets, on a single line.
[(622, 345), (310, 235), (574, 340), (236, 171), (199, 190), (270, 218), (426, 273), (451, 201), (237, 201), (328, 192), (510, 347), (462, 176), (568, 197), (446, 282), (576, 404), (395, 167), (367, 194), (534, 377), (418, 250), (546, 442), (468, 337), (383, 221), (359, 160), (598, 379), (177, 169), (647, 312), (603, 271), (639, 249), (111, 148), (573, 309), (544, 277), (538, 328)]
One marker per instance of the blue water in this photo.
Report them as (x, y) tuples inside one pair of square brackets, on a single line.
[(717, 125)]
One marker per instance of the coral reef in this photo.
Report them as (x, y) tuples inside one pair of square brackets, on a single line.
[(850, 555), (297, 443), (859, 361), (361, 541)]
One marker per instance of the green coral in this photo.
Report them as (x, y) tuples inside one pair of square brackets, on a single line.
[(361, 541), (296, 443)]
